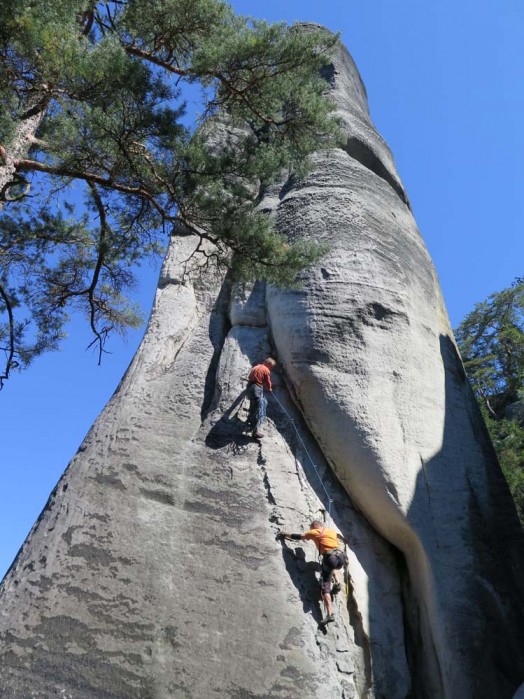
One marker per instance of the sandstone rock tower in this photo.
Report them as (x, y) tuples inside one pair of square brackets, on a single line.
[(154, 572)]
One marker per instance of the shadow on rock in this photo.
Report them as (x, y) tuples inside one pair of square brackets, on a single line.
[(303, 576), (231, 430), (464, 477)]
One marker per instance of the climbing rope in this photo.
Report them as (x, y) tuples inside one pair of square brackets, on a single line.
[(346, 578), (292, 420)]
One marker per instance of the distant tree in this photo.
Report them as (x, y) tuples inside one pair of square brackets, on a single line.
[(491, 341), (508, 439), (98, 162)]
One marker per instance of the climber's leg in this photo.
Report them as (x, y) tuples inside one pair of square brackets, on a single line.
[(337, 586), (260, 404), (326, 576), (254, 400)]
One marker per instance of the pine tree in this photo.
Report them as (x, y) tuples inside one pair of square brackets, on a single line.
[(93, 102), (491, 341)]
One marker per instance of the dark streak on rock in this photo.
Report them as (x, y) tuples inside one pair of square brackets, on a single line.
[(97, 556), (99, 517), (219, 327), (269, 494), (109, 480), (132, 468), (68, 535), (362, 153), (161, 496)]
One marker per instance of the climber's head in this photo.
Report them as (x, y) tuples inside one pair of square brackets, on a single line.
[(270, 362), (315, 524)]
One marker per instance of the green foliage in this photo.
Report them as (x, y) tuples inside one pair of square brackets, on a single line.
[(508, 439), (50, 264), (491, 341), (109, 80)]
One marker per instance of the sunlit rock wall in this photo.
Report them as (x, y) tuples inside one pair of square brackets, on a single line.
[(154, 570)]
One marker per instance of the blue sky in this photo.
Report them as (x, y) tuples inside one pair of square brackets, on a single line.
[(446, 91)]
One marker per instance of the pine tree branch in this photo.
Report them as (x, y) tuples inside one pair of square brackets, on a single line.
[(25, 164), (100, 336), (485, 398), (93, 178), (152, 58), (244, 252)]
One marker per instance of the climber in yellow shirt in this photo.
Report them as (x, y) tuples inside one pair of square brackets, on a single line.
[(333, 559)]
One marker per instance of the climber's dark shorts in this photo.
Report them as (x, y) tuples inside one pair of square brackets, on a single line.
[(330, 562)]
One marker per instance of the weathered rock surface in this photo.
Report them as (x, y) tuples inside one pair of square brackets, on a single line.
[(154, 570)]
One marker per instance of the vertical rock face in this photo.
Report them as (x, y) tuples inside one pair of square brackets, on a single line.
[(372, 362), (154, 571)]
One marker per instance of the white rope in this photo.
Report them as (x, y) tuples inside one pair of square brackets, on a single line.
[(307, 452)]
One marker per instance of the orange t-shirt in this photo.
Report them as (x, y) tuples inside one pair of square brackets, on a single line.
[(325, 539), (261, 375)]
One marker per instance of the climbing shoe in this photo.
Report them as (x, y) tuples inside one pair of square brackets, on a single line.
[(335, 589), (257, 434), (326, 620)]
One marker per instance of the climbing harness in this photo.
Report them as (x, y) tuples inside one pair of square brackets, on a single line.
[(307, 452)]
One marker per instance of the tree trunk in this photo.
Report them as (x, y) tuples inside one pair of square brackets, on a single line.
[(18, 148)]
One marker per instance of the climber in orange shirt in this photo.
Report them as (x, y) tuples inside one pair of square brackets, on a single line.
[(333, 559), (259, 379)]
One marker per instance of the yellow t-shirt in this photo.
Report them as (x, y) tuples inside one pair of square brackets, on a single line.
[(325, 539)]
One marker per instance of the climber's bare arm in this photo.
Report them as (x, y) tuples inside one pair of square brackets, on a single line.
[(288, 535)]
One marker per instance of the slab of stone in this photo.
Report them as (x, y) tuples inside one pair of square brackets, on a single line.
[(371, 360)]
